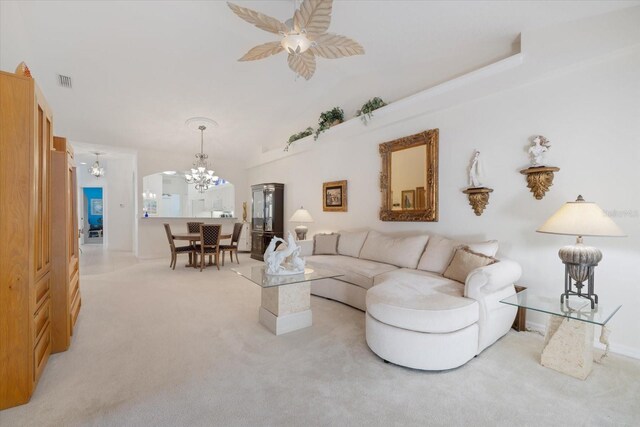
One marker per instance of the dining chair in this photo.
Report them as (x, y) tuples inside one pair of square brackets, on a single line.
[(233, 247), (209, 243), (193, 227), (175, 250)]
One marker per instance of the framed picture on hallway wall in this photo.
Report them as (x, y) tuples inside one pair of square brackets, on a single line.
[(96, 206), (334, 196)]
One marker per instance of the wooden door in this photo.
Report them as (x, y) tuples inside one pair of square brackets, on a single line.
[(43, 143), (72, 236), (41, 237)]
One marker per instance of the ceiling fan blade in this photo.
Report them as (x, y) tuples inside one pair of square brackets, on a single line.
[(314, 16), (262, 51), (303, 64), (332, 46), (258, 19)]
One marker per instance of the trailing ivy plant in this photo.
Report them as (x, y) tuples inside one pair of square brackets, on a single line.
[(296, 136), (327, 119), (366, 111)]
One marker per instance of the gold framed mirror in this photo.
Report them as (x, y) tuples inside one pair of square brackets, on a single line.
[(409, 178)]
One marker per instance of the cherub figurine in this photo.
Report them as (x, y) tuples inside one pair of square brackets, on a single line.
[(475, 171), (539, 146)]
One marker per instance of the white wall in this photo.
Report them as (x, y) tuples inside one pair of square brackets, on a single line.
[(118, 200), (14, 40), (591, 114)]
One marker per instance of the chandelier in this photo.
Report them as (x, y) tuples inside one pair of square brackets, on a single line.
[(201, 175), (95, 169)]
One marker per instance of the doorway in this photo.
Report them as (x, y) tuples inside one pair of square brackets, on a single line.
[(93, 215)]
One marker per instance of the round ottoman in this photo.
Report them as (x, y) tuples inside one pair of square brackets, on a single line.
[(428, 326)]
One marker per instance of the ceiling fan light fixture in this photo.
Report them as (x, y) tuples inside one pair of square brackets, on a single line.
[(296, 43), (304, 37)]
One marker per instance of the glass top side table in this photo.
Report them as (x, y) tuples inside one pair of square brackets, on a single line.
[(568, 342), (286, 299)]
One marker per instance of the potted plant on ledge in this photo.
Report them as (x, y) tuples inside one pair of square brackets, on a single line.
[(329, 118), (293, 138), (366, 111)]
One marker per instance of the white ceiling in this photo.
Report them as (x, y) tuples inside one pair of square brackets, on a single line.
[(140, 69)]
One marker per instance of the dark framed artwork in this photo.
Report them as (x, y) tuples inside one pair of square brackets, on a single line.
[(334, 196)]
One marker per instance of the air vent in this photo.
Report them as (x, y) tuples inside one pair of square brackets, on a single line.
[(64, 81)]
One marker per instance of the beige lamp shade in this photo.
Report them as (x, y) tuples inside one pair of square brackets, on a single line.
[(581, 218), (301, 215)]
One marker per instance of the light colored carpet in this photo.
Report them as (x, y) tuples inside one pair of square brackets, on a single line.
[(159, 347)]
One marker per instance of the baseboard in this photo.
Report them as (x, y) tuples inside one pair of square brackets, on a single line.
[(622, 350)]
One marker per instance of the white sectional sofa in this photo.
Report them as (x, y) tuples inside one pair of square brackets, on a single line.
[(415, 317)]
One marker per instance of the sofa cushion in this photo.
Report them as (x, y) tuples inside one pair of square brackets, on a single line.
[(464, 262), (359, 272), (400, 251), (351, 242), (439, 252), (325, 244), (421, 301)]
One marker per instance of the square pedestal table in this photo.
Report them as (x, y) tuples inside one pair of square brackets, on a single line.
[(286, 299), (568, 342)]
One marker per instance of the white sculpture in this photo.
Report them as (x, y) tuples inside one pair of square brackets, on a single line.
[(539, 146), (475, 171), (284, 261)]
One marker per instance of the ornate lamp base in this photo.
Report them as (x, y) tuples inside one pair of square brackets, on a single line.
[(301, 232), (579, 261)]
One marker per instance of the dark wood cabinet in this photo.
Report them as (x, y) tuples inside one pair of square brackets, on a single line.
[(267, 216)]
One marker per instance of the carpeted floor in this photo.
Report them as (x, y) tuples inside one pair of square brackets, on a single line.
[(156, 347)]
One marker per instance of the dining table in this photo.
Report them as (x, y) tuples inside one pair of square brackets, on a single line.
[(195, 237)]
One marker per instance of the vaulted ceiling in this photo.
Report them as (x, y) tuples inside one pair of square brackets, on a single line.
[(140, 69)]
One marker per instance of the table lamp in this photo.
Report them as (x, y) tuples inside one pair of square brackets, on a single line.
[(302, 216), (580, 218)]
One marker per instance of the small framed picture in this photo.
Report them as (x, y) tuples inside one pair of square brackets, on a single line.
[(334, 196), (408, 199), (96, 206)]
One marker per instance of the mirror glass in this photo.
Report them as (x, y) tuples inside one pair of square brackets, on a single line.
[(408, 178), (167, 195)]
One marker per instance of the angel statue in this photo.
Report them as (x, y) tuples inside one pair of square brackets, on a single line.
[(539, 146), (475, 171)]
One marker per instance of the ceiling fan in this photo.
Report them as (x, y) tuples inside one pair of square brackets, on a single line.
[(304, 36)]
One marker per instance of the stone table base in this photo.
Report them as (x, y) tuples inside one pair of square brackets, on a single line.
[(286, 308), (568, 347)]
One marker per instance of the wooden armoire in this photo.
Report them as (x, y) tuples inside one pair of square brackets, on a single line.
[(26, 137), (65, 271)]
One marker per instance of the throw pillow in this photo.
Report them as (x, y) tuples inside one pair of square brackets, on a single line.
[(464, 262), (398, 251), (440, 250), (350, 242), (325, 244)]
